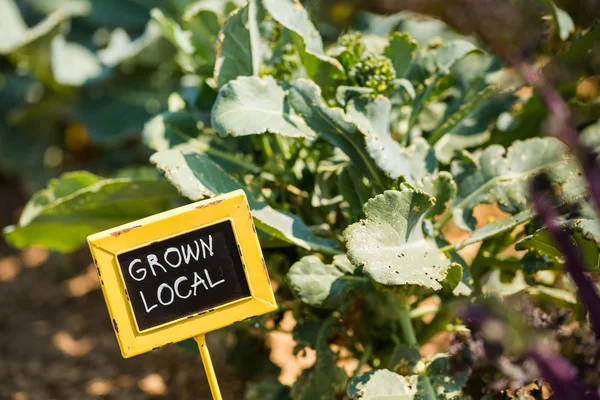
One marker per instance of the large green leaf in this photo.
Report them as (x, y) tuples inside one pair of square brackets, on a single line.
[(502, 176), (79, 204), (324, 285), (251, 105), (292, 15), (401, 50), (239, 44), (438, 382), (585, 234), (196, 176), (373, 119), (382, 384), (333, 125), (390, 244)]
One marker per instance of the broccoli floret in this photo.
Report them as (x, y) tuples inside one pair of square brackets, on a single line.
[(373, 71), (349, 49)]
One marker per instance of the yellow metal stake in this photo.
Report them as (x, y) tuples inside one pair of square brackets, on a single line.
[(208, 367)]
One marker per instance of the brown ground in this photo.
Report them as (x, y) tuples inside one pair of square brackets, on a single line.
[(57, 342)]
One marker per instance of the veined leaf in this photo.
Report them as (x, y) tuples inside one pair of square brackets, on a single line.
[(401, 50), (373, 119), (196, 176), (239, 44), (251, 105), (79, 203), (324, 285), (439, 382), (502, 176), (292, 15), (585, 234), (333, 125), (390, 244)]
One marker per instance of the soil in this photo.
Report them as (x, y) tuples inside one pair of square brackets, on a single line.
[(57, 342)]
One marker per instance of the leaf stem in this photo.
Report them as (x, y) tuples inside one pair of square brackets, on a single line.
[(403, 311), (363, 358)]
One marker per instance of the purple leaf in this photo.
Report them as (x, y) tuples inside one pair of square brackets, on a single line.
[(561, 376)]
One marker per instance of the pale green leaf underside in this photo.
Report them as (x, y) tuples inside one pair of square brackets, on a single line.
[(373, 119), (251, 105), (322, 285), (382, 384), (390, 245)]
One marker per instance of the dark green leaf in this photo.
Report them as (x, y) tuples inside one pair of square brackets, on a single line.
[(401, 50), (79, 204)]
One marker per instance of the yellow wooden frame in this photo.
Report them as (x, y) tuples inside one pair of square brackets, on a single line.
[(106, 246)]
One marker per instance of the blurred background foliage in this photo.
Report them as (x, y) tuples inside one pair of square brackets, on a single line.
[(80, 78)]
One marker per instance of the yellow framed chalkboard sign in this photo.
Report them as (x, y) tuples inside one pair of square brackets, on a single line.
[(182, 273)]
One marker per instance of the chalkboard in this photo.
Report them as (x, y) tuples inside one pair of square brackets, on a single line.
[(185, 275)]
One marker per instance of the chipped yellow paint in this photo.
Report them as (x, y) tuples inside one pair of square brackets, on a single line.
[(106, 246)]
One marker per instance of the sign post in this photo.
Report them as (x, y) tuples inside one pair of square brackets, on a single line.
[(208, 367), (182, 273)]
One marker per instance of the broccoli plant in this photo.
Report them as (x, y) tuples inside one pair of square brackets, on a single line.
[(389, 175)]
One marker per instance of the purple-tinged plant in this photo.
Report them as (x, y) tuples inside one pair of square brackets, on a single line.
[(563, 127), (585, 287), (561, 375)]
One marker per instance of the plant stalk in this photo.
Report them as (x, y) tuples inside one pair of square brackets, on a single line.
[(408, 333)]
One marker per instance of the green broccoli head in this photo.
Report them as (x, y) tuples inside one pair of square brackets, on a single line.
[(349, 49), (373, 71)]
